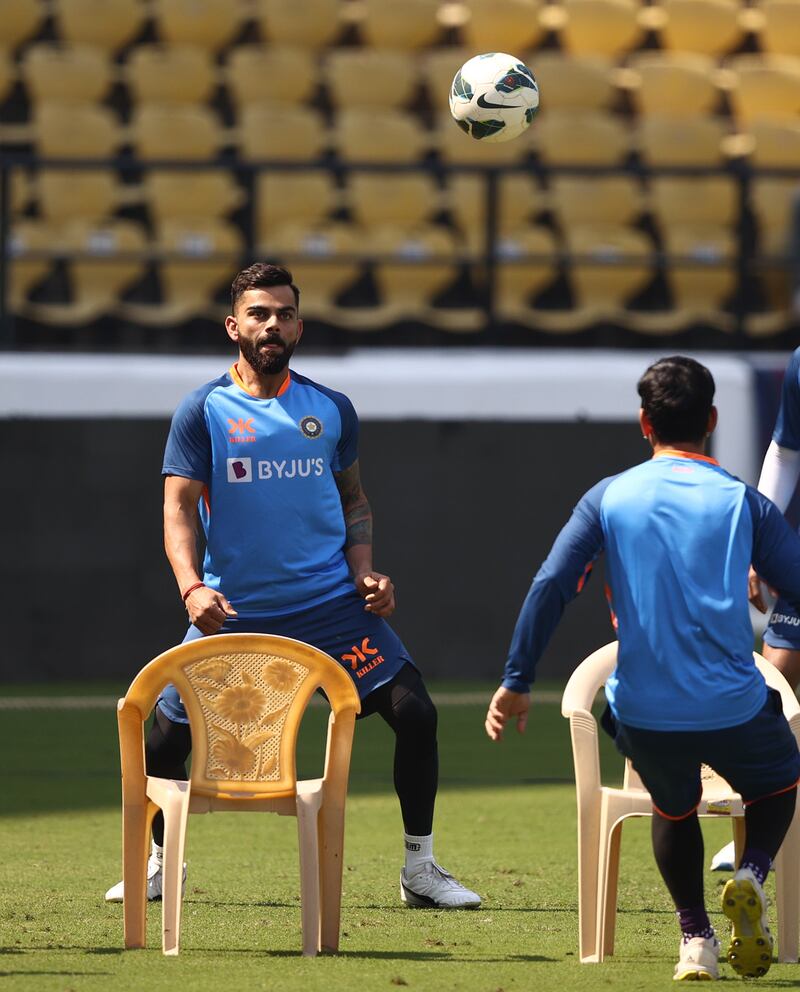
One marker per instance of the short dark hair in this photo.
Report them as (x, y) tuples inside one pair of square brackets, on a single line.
[(677, 395), (262, 275)]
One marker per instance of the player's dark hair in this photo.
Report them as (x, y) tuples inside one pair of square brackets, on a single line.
[(677, 395), (262, 275)]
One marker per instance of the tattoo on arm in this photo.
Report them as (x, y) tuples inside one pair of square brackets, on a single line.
[(357, 514)]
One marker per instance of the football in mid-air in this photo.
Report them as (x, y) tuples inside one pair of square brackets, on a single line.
[(494, 97)]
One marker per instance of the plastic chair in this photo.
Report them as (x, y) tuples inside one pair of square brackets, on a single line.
[(73, 130), (511, 26), (520, 276), (775, 143), (245, 695), (410, 25), (77, 194), (179, 131), (574, 82), (400, 200), (171, 194), (673, 84), (678, 201), (305, 23), (274, 73), (107, 24), (362, 135), (711, 27), (602, 810), (778, 31), (607, 200), (766, 87), (8, 72), (169, 74), (293, 198), (438, 67), (571, 137), (66, 74), (280, 132), (20, 20), (519, 199), (208, 24), (456, 148), (370, 77), (600, 27), (27, 238), (680, 141)]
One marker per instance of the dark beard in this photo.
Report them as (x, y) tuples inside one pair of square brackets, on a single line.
[(266, 364)]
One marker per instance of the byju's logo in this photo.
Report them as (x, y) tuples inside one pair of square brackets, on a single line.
[(240, 470)]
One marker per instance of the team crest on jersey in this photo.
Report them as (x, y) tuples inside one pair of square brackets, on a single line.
[(311, 427)]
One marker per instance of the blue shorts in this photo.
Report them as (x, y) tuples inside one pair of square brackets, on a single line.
[(365, 645), (783, 629), (759, 758)]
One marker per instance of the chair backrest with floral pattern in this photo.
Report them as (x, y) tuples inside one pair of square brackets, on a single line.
[(245, 695)]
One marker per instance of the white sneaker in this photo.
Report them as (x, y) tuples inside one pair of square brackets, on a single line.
[(435, 888), (155, 880), (745, 905), (724, 859), (698, 960)]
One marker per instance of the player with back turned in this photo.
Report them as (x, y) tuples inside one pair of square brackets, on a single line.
[(267, 462), (679, 535)]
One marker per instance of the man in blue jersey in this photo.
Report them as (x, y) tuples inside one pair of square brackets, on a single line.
[(267, 462), (679, 535)]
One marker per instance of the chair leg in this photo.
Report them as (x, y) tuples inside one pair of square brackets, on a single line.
[(588, 861), (173, 798), (308, 813), (608, 899), (136, 823), (787, 893), (739, 838), (331, 833)]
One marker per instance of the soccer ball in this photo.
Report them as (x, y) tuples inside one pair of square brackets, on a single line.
[(494, 97)]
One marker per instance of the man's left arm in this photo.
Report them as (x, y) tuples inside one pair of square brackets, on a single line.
[(376, 588)]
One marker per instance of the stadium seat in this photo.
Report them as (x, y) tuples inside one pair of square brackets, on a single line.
[(772, 201), (110, 257), (280, 132), (410, 25), (274, 73), (29, 243), (699, 200), (574, 83), (66, 74), (572, 137), (387, 136), (511, 26), (457, 148), (519, 199), (710, 27), (169, 74), (283, 198), (673, 84), (107, 24), (187, 132), (198, 257), (681, 141), (76, 194), (20, 20), (207, 24), (72, 130), (174, 193), (395, 199), (604, 200), (8, 72), (778, 29), (766, 87), (774, 144), (599, 27), (602, 811), (438, 67), (304, 23), (526, 258), (370, 77), (245, 695)]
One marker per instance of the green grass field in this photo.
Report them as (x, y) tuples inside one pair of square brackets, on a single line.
[(505, 825)]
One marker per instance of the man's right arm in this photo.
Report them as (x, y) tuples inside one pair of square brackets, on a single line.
[(207, 608)]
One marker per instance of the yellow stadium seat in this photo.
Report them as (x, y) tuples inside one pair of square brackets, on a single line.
[(28, 245), (766, 86), (66, 74), (396, 199), (304, 23), (775, 144), (280, 132), (271, 74), (567, 137), (676, 141), (457, 148), (292, 198), (72, 130), (438, 68), (774, 204), (209, 24), (239, 766), (695, 200), (519, 199), (169, 74), (19, 20), (370, 77), (701, 272), (362, 135), (527, 264), (574, 83), (588, 200), (77, 194), (163, 131), (673, 84), (107, 24), (778, 32), (711, 27), (511, 26), (7, 73), (20, 190), (409, 25), (173, 193), (600, 27), (107, 265)]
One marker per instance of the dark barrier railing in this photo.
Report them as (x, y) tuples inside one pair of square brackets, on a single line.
[(748, 259)]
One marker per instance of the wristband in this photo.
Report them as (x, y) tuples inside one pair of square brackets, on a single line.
[(191, 589)]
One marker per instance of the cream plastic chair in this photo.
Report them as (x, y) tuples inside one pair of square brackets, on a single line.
[(602, 810), (245, 695)]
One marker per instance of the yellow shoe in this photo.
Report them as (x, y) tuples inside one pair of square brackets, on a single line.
[(745, 905)]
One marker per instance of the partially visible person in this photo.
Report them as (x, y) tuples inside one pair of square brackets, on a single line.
[(680, 534)]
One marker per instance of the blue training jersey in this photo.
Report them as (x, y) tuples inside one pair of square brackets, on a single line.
[(679, 534), (271, 511), (787, 425)]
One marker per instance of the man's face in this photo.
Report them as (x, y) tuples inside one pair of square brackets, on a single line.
[(266, 327)]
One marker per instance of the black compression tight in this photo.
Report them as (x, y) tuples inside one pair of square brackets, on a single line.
[(403, 703)]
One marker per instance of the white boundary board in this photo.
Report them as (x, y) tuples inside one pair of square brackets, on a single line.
[(561, 385)]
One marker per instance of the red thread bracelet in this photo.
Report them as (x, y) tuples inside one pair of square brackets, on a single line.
[(191, 589)]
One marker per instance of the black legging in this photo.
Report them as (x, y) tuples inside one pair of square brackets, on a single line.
[(403, 703)]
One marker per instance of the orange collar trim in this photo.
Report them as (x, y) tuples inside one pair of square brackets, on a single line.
[(676, 453), (234, 374)]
